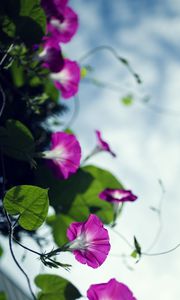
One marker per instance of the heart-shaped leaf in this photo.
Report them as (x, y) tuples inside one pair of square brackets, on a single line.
[(30, 203)]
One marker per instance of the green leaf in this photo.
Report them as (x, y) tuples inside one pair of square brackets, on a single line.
[(1, 251), (56, 288), (134, 254), (84, 72), (60, 226), (31, 23), (69, 130), (127, 100), (17, 141), (30, 203), (78, 196), (8, 27), (51, 91), (63, 192), (3, 296), (102, 179), (25, 19), (137, 246), (17, 72), (137, 251)]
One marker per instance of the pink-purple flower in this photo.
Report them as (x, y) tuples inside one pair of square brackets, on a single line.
[(103, 145), (67, 80), (112, 290), (89, 241), (117, 195), (54, 8), (64, 28), (64, 155), (52, 57)]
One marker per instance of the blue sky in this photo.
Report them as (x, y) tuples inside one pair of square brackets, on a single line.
[(146, 138)]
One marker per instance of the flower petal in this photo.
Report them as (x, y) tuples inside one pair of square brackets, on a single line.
[(53, 8), (103, 146), (64, 155), (89, 241), (64, 28), (117, 195), (67, 80), (112, 290)]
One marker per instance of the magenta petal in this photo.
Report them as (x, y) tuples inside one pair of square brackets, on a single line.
[(117, 195), (112, 290), (89, 241), (67, 80), (53, 59), (103, 146), (53, 8), (64, 155), (64, 29)]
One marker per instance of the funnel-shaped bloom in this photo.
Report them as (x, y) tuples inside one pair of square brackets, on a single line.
[(67, 80), (102, 145), (117, 195), (63, 29), (89, 241), (112, 290), (64, 155), (54, 8), (52, 57)]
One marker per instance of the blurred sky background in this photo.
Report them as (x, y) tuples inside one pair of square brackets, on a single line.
[(145, 136)]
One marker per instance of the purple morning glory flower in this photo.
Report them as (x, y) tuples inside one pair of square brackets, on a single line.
[(112, 290), (117, 195), (102, 145), (63, 29), (89, 241), (67, 80), (54, 8), (52, 57), (64, 155)]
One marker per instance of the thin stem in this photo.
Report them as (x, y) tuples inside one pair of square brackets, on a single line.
[(27, 248), (64, 248), (11, 231), (91, 154), (144, 253), (3, 101), (116, 88), (163, 252), (159, 211), (116, 55), (6, 54), (75, 113), (15, 260)]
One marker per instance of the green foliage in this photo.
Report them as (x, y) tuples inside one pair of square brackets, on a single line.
[(137, 251), (134, 254), (23, 19), (56, 288), (3, 296), (127, 100), (60, 226), (51, 91), (17, 141), (1, 251), (17, 72), (84, 72), (30, 203), (74, 199)]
